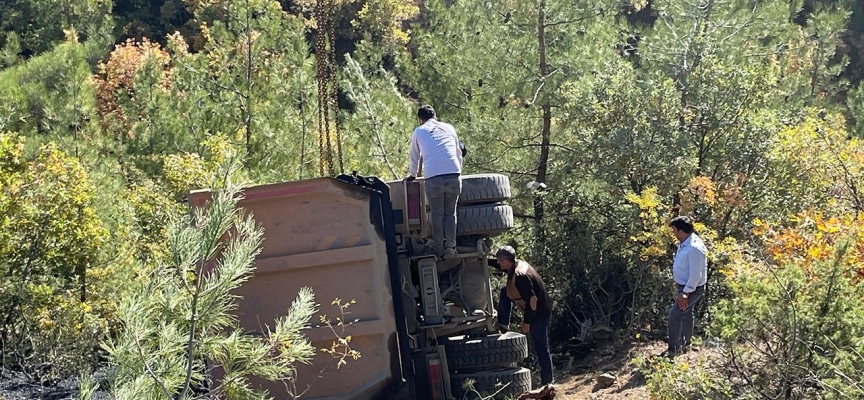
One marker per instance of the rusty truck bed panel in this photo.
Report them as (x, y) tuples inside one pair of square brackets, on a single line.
[(318, 233)]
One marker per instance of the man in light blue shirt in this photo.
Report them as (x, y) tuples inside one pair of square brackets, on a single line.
[(690, 271)]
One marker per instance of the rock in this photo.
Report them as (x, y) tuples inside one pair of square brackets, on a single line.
[(600, 333), (546, 392), (713, 343), (606, 380), (581, 350)]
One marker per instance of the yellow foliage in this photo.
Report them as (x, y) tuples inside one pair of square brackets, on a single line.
[(70, 35), (817, 163), (655, 238), (190, 171), (177, 43), (813, 238), (48, 199), (647, 200), (384, 18), (387, 16), (639, 4), (185, 171), (655, 235), (704, 189)]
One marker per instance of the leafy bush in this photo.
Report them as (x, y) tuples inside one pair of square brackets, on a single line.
[(668, 380), (50, 239), (793, 323)]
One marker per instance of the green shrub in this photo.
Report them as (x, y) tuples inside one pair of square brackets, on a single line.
[(50, 260), (793, 325), (668, 380)]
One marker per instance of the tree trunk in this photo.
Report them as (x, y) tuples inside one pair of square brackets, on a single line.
[(542, 163), (249, 83)]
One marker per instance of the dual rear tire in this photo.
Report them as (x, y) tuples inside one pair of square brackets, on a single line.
[(489, 364), (486, 367), (480, 211)]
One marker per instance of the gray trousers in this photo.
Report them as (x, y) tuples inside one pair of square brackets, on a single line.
[(681, 321), (442, 193)]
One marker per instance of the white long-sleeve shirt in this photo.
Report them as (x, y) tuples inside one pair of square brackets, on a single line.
[(690, 267), (436, 144)]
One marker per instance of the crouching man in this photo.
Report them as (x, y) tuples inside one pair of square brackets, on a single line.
[(526, 289)]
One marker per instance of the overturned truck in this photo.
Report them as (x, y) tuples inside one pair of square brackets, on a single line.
[(423, 325)]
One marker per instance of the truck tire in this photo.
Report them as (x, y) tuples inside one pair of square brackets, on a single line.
[(484, 220), (503, 384), (493, 350), (484, 188)]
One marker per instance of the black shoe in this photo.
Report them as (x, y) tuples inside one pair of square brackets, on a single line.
[(670, 353)]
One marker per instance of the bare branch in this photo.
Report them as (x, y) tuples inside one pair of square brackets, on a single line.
[(523, 146), (571, 21), (376, 126), (847, 175)]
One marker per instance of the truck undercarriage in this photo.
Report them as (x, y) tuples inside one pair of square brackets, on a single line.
[(449, 303)]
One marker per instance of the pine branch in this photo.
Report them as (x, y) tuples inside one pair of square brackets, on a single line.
[(150, 370)]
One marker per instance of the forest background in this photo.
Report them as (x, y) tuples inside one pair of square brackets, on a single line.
[(747, 115)]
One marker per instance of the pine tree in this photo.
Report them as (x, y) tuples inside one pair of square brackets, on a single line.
[(176, 322)]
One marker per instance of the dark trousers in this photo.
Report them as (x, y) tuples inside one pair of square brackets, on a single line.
[(539, 336), (681, 321)]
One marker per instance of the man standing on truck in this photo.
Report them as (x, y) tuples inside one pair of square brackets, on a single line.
[(525, 287), (436, 144), (690, 272)]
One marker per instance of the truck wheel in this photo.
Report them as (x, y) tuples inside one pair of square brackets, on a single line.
[(492, 350), (484, 188), (503, 384), (484, 220)]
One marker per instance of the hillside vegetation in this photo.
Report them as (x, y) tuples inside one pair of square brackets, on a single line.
[(747, 115)]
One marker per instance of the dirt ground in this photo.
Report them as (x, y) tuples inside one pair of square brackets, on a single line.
[(579, 381)]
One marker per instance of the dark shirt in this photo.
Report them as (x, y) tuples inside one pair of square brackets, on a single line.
[(523, 283)]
